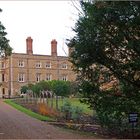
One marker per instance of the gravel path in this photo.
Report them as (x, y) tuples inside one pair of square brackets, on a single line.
[(17, 125)]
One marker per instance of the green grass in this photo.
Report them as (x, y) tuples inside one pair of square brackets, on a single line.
[(75, 102), (27, 111), (85, 108)]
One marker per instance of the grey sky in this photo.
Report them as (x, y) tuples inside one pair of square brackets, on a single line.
[(42, 20)]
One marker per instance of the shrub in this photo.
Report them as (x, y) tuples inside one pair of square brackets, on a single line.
[(47, 111), (67, 110), (71, 112), (76, 113)]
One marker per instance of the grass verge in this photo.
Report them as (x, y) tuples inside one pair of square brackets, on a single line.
[(27, 111)]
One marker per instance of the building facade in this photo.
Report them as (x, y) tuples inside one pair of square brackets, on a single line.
[(21, 69)]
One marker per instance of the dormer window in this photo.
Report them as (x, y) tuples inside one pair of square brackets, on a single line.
[(21, 63)]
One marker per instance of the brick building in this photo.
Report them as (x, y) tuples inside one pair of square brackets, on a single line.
[(24, 68)]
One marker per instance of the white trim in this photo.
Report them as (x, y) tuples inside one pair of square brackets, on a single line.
[(21, 63), (48, 65), (21, 77)]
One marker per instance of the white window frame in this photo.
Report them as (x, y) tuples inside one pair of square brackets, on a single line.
[(48, 77), (38, 64), (21, 77), (21, 63), (64, 78), (64, 66), (38, 77), (48, 64)]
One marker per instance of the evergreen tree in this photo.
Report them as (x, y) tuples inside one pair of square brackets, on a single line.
[(108, 37), (5, 49)]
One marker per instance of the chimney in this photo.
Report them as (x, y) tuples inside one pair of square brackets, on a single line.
[(29, 42), (54, 47)]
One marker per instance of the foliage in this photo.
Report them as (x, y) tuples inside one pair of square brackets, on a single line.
[(5, 49), (24, 89), (108, 39), (74, 88), (77, 112), (47, 111), (67, 109), (71, 112), (36, 89), (60, 88), (44, 85)]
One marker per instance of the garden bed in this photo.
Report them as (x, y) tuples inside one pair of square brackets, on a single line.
[(85, 123)]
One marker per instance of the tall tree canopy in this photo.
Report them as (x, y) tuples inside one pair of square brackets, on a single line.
[(108, 37), (5, 49)]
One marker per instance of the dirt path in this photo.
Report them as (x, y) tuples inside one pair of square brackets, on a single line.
[(17, 125)]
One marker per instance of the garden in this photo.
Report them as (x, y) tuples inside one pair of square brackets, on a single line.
[(67, 109)]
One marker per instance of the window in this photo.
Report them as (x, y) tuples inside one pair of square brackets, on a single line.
[(64, 78), (38, 77), (64, 66), (3, 91), (48, 64), (3, 77), (21, 63), (21, 77), (48, 77), (38, 64)]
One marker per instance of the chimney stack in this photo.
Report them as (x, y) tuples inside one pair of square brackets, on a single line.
[(54, 47), (29, 42)]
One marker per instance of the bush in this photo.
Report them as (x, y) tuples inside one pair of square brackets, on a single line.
[(76, 113), (46, 111), (71, 112), (67, 110)]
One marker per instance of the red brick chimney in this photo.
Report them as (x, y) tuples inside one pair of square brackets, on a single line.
[(29, 42), (54, 47)]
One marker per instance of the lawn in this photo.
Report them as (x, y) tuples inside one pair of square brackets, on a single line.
[(75, 102)]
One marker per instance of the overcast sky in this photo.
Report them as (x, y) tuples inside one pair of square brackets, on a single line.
[(42, 20)]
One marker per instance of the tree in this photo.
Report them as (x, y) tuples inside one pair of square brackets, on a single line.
[(5, 49), (108, 37), (24, 89), (60, 88)]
